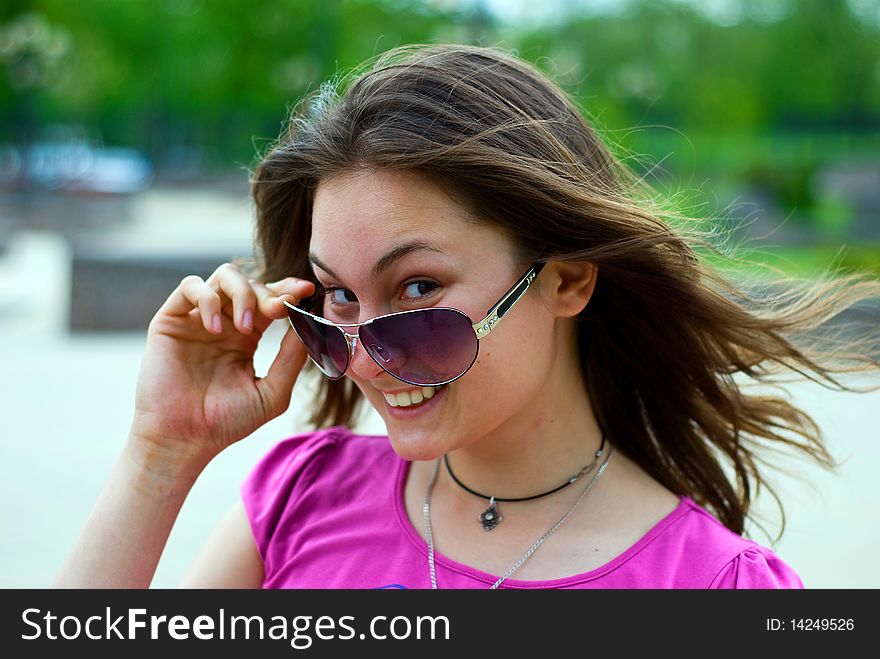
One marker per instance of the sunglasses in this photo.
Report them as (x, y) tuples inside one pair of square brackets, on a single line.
[(423, 347)]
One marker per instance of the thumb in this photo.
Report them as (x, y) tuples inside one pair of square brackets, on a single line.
[(277, 386)]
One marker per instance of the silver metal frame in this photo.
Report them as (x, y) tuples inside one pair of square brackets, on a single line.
[(481, 329)]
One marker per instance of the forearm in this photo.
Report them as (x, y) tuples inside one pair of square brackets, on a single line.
[(124, 537)]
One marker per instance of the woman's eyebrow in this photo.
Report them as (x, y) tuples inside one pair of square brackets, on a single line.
[(387, 260)]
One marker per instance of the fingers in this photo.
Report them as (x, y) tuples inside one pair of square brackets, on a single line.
[(251, 305), (271, 297), (194, 293), (231, 284), (298, 288), (277, 386)]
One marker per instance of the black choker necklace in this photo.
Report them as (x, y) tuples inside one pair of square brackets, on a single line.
[(490, 518)]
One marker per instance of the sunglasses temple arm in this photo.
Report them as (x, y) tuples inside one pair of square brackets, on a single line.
[(505, 304)]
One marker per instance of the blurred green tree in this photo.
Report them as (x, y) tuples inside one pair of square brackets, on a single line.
[(772, 92)]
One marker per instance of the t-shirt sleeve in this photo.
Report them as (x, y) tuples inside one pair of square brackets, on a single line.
[(272, 485), (757, 567)]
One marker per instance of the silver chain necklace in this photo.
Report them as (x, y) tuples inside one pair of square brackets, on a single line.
[(531, 550)]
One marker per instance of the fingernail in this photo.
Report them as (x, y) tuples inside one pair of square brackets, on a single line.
[(216, 322), (247, 319)]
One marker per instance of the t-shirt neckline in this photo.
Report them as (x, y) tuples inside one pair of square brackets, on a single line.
[(403, 467)]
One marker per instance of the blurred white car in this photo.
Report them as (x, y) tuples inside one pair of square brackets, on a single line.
[(75, 167)]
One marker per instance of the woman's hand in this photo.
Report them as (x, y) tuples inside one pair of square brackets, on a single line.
[(196, 395), (197, 392)]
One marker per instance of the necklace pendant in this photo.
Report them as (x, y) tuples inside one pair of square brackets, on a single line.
[(490, 518)]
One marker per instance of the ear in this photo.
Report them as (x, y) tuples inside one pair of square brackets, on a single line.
[(568, 286)]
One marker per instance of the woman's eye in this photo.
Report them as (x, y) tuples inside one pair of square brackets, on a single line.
[(340, 296), (418, 289)]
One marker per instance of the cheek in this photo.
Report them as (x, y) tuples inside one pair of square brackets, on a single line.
[(516, 358)]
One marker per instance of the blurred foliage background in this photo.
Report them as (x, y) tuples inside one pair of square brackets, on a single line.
[(766, 111)]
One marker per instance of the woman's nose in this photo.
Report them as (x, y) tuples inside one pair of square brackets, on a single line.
[(362, 365)]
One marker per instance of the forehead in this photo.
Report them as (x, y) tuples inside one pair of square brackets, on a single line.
[(357, 216)]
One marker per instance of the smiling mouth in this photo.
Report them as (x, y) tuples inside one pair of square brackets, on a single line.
[(413, 397)]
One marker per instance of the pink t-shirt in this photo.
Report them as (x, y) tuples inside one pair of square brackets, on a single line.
[(326, 509)]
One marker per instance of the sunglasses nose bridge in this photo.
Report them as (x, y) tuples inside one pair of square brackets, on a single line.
[(351, 340)]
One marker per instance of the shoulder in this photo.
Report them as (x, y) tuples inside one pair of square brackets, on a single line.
[(327, 453), (306, 471), (691, 549), (737, 562), (304, 447), (757, 567)]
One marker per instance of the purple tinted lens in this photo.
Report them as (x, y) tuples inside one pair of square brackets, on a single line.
[(422, 347), (325, 344)]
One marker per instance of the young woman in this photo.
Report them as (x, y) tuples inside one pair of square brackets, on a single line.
[(451, 241)]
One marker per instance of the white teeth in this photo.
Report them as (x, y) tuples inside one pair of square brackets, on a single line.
[(412, 397)]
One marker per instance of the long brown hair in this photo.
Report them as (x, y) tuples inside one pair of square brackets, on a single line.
[(665, 331)]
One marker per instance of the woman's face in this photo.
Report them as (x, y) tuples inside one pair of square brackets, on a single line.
[(358, 218)]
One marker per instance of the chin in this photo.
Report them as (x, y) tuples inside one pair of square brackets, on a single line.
[(416, 445)]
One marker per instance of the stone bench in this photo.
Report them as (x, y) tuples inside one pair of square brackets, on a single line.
[(120, 286)]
